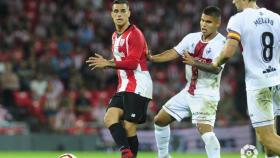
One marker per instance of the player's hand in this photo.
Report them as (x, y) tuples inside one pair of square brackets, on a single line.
[(215, 64), (187, 59), (97, 61)]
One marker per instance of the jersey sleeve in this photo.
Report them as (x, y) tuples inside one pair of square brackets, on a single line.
[(136, 46), (234, 28), (184, 45)]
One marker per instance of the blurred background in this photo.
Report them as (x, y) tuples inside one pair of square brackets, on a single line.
[(51, 100)]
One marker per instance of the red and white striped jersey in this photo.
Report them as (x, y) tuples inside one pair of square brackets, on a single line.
[(201, 82), (129, 50)]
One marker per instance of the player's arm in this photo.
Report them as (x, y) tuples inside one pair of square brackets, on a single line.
[(227, 52), (136, 45), (165, 56), (189, 60)]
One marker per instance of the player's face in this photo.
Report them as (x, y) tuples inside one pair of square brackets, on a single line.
[(120, 14), (209, 24)]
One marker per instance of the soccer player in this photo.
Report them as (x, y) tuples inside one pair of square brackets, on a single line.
[(257, 31), (199, 98), (128, 106)]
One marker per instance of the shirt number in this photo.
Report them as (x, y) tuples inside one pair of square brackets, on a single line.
[(267, 44)]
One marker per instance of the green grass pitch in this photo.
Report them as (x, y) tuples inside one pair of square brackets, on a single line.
[(36, 154)]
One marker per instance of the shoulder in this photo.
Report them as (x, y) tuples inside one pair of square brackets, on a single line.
[(221, 37), (193, 36), (271, 13), (135, 32), (219, 40), (237, 16)]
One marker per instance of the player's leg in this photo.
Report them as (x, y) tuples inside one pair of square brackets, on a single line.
[(204, 114), (261, 111), (268, 138), (162, 132), (212, 145), (276, 110), (269, 153), (135, 113), (112, 119), (132, 138), (175, 108)]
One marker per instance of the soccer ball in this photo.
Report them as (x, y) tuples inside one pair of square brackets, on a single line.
[(249, 151), (67, 155)]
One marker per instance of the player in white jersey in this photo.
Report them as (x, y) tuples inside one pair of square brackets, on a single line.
[(257, 30), (199, 99)]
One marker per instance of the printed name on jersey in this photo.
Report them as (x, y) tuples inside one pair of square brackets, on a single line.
[(262, 20)]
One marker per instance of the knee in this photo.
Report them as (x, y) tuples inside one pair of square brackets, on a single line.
[(158, 121), (109, 120), (204, 128)]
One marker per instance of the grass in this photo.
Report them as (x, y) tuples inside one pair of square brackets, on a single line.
[(39, 154)]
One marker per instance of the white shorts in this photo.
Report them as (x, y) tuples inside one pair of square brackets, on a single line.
[(263, 105), (202, 109)]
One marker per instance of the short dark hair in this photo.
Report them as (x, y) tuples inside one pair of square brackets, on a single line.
[(120, 2), (212, 11)]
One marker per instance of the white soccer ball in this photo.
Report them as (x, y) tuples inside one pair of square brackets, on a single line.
[(249, 151), (67, 155)]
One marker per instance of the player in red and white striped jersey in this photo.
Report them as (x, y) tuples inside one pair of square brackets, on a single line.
[(128, 106), (199, 99), (129, 51)]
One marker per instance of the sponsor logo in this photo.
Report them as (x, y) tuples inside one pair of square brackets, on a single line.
[(269, 69)]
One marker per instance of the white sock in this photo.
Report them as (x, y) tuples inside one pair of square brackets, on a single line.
[(271, 156), (162, 135), (212, 145)]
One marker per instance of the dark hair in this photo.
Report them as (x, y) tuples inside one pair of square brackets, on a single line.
[(212, 11), (120, 2)]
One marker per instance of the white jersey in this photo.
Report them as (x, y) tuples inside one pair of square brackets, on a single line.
[(258, 31), (201, 82)]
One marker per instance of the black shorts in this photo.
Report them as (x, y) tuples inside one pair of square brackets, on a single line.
[(133, 105)]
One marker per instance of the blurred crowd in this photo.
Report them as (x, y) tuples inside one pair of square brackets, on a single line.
[(45, 82)]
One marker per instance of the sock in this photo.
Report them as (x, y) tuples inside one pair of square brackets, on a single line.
[(212, 145), (271, 156), (119, 135), (133, 143), (162, 135)]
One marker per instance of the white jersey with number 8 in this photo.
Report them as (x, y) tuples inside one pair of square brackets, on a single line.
[(258, 31)]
